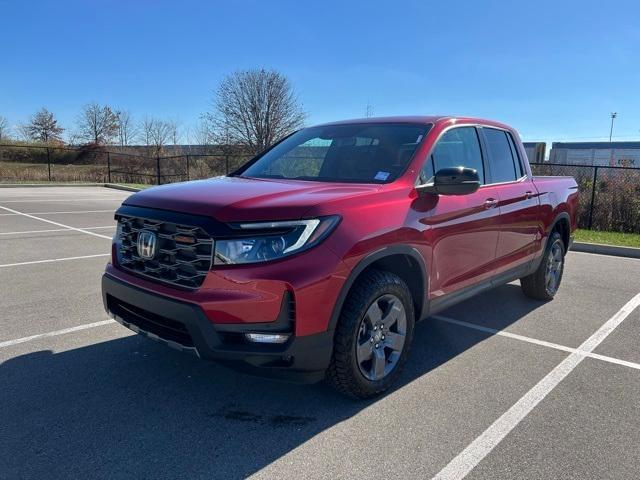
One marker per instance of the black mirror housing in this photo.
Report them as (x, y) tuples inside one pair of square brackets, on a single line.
[(452, 181)]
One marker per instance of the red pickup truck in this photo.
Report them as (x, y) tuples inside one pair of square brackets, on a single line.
[(316, 258)]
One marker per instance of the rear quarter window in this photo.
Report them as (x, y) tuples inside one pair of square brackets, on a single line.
[(520, 172)]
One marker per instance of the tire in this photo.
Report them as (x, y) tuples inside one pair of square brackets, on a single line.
[(377, 297), (543, 284)]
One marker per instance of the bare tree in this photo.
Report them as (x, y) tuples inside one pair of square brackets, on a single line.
[(255, 108), (145, 130), (42, 127), (156, 133), (202, 134), (97, 124), (175, 133), (4, 129), (127, 130)]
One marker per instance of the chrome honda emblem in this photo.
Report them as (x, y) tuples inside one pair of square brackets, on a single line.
[(147, 243)]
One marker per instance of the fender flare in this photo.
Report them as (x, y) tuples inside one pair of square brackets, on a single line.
[(552, 225), (399, 249)]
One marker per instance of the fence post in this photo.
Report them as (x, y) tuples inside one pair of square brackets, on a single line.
[(158, 167), (226, 164), (187, 168), (593, 196), (49, 162), (109, 167)]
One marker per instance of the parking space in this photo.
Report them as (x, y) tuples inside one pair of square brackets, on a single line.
[(42, 297), (586, 428), (52, 246), (499, 386), (599, 286), (623, 343)]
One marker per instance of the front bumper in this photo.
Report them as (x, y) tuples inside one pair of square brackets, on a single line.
[(185, 326)]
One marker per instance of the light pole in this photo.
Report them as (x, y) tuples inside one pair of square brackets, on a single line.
[(613, 116)]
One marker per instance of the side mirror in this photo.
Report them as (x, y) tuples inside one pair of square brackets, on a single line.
[(452, 181)]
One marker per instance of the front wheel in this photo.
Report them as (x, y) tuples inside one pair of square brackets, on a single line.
[(373, 335), (543, 284)]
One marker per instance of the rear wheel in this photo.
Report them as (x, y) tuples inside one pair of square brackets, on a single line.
[(373, 335), (543, 284)]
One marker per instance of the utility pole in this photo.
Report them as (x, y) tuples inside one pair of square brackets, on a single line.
[(368, 111), (613, 116)]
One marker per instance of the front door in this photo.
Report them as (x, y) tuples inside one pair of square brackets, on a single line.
[(461, 230)]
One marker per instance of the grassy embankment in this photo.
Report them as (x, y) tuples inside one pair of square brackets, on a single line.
[(608, 238)]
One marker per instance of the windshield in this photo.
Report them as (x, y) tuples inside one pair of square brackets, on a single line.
[(363, 153)]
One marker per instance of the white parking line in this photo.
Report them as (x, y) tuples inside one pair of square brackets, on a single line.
[(58, 213), (28, 215), (535, 341), (55, 230), (54, 260), (471, 456), (55, 333)]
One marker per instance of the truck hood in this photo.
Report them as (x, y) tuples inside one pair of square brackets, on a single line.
[(244, 199)]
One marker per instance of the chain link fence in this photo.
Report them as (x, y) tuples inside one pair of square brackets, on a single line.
[(609, 196), (179, 168), (33, 163)]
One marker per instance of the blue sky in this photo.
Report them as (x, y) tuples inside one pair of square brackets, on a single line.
[(552, 69)]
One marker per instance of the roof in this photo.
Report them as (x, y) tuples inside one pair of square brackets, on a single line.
[(419, 119)]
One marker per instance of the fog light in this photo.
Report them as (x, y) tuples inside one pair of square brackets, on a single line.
[(267, 337)]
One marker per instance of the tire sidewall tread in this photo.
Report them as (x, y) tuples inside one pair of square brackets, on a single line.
[(534, 285), (344, 373)]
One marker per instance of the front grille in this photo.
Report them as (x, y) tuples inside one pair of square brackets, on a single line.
[(183, 254), (165, 328)]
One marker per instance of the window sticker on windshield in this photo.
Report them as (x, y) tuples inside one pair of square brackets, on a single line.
[(382, 176), (419, 139)]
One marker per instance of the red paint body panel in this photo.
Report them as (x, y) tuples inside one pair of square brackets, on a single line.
[(461, 241), (235, 199)]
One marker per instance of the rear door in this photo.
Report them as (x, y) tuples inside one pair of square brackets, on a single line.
[(462, 230), (519, 203)]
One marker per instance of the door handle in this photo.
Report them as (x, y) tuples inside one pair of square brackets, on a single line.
[(528, 195), (490, 203)]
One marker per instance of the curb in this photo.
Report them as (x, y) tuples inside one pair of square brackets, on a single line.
[(115, 186), (36, 185), (614, 250)]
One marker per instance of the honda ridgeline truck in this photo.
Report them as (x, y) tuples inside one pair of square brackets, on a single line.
[(316, 258)]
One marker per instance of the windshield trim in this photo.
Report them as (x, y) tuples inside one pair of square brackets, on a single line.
[(308, 179)]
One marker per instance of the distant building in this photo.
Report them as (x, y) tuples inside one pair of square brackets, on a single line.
[(535, 151), (625, 154)]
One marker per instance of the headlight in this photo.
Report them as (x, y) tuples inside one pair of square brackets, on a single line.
[(264, 241)]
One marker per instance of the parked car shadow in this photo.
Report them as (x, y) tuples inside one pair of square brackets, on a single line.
[(497, 308), (130, 408)]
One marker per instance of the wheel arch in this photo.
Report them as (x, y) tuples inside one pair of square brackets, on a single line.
[(402, 260), (561, 224)]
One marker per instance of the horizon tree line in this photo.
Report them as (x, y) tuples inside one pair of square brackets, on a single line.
[(252, 108)]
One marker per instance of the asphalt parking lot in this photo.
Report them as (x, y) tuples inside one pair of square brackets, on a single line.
[(499, 386)]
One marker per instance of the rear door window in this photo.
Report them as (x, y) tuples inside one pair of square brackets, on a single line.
[(501, 161)]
